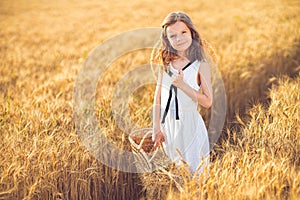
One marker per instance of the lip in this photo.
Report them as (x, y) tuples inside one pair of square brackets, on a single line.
[(181, 44)]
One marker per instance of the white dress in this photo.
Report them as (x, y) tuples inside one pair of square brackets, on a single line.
[(188, 134)]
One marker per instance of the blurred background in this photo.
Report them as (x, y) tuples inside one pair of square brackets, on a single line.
[(43, 45)]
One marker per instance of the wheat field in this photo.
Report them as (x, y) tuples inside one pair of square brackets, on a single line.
[(43, 46)]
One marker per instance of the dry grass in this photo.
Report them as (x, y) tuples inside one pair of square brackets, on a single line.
[(263, 161), (43, 45)]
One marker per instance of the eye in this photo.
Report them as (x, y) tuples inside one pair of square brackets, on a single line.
[(184, 32)]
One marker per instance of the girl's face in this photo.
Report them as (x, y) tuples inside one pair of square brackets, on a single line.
[(179, 36)]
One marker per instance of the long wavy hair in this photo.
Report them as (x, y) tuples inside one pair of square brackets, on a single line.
[(163, 52), (168, 53)]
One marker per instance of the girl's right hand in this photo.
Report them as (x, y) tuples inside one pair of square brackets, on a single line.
[(158, 138)]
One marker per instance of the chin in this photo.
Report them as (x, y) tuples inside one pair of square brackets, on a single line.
[(181, 49)]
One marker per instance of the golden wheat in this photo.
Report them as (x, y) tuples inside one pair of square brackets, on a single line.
[(43, 45)]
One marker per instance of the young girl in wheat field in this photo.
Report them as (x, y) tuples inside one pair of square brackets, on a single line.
[(184, 83)]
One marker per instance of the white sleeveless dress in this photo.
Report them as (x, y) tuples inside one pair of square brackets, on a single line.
[(188, 135)]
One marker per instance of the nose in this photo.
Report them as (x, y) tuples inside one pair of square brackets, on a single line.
[(178, 38)]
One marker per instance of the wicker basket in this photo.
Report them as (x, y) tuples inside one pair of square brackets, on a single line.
[(147, 157)]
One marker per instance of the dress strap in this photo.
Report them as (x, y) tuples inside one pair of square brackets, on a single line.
[(168, 104), (186, 66), (171, 73), (170, 97)]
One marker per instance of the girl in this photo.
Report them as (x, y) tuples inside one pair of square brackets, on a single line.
[(177, 123)]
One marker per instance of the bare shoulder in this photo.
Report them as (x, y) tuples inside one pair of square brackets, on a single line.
[(204, 67), (204, 64)]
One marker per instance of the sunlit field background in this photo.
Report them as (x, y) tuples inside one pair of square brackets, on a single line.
[(43, 45)]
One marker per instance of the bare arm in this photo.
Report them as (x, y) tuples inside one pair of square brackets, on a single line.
[(157, 136), (156, 105), (204, 99)]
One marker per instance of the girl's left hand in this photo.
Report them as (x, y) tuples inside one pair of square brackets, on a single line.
[(178, 80)]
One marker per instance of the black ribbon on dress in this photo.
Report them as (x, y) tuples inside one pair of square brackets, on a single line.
[(172, 87)]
